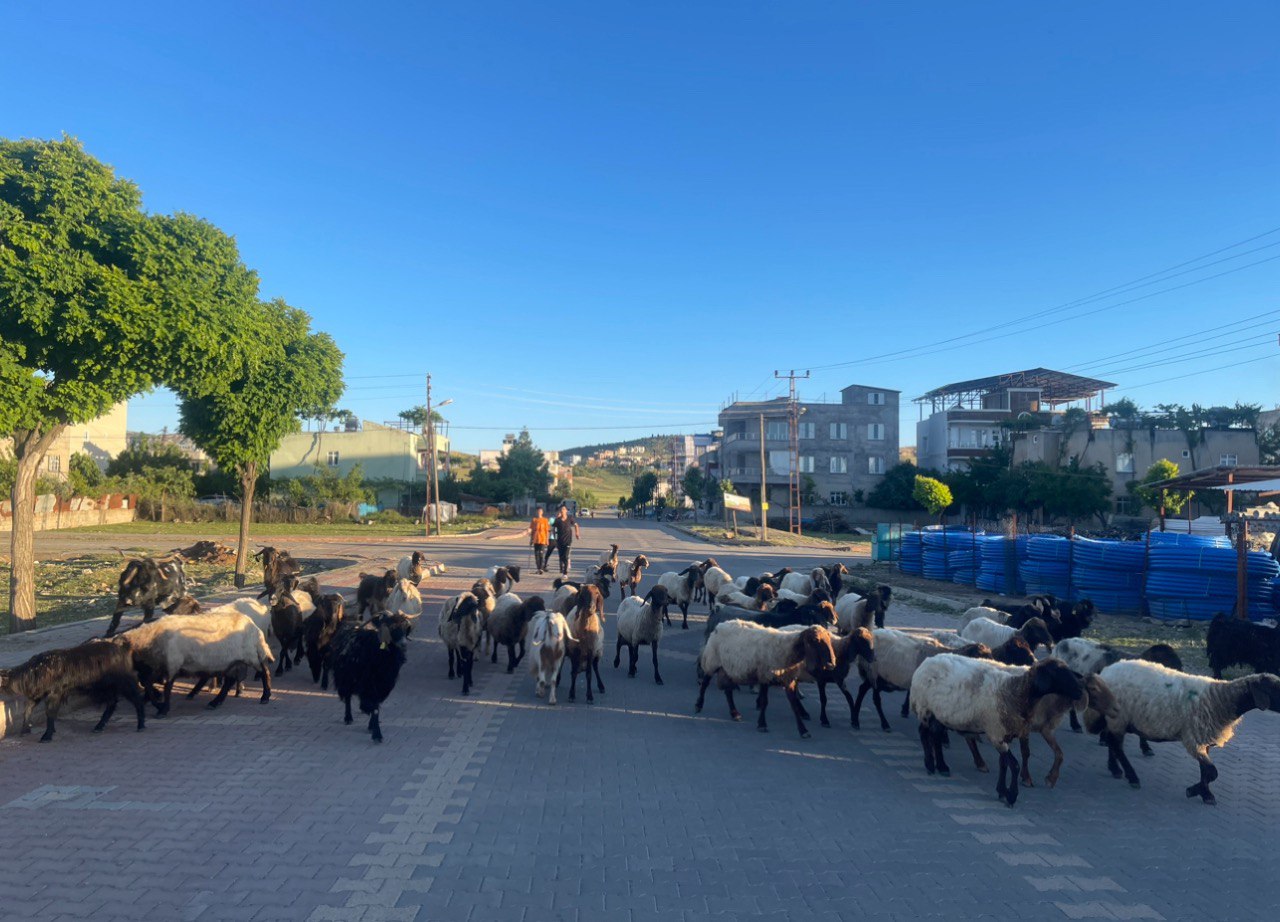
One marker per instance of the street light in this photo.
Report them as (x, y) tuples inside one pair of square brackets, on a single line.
[(431, 451)]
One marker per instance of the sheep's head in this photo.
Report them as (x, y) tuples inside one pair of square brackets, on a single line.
[(752, 585), (1163, 655), (975, 651), (530, 607), (815, 642), (640, 562), (1017, 652), (1083, 612), (1102, 703), (514, 573), (1265, 689), (468, 606), (828, 613), (332, 608), (658, 597), (862, 644), (483, 590), (766, 594), (1035, 632), (389, 579), (415, 558), (1053, 677)]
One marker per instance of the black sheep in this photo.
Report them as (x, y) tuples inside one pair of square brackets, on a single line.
[(317, 634), (286, 624), (1233, 641), (101, 669), (148, 583), (275, 566), (366, 662), (373, 591)]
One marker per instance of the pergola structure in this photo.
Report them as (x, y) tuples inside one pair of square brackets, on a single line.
[(1265, 480), (1055, 387)]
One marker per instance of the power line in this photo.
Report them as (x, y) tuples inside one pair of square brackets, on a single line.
[(1183, 377), (1128, 354), (1200, 354), (1162, 275)]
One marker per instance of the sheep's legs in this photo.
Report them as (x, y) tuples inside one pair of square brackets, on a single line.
[(762, 704), (633, 657), (906, 704), (1050, 779), (106, 715), (793, 698), (1208, 774), (51, 707), (163, 708), (115, 622), (573, 680), (684, 612), (512, 660), (465, 660), (266, 685), (926, 744), (493, 659), (226, 687), (595, 667), (1144, 747), (856, 705), (1008, 792), (702, 694), (931, 734), (375, 728), (346, 715), (1075, 722), (978, 762), (657, 677), (284, 658), (733, 708), (1117, 760), (451, 656)]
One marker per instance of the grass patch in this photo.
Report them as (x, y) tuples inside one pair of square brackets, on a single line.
[(463, 525), (607, 485), (1137, 634), (747, 535)]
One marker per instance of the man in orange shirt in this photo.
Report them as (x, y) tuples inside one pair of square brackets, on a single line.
[(539, 537)]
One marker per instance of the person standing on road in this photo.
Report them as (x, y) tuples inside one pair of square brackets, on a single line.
[(539, 533), (566, 529)]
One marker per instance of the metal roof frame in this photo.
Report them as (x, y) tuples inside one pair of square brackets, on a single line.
[(1054, 386)]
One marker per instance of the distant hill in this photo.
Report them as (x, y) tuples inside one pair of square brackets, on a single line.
[(652, 442)]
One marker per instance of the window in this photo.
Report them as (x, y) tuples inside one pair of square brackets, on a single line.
[(839, 465), (776, 430), (1125, 505), (875, 398), (333, 459), (875, 465), (839, 431), (875, 432), (1186, 453), (808, 430), (1124, 463), (1228, 461), (54, 464), (838, 499), (806, 464)]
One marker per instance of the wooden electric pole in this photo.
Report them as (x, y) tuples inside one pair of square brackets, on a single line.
[(793, 418)]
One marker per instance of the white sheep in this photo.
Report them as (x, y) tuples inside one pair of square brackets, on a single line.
[(640, 623), (680, 588), (549, 635), (801, 583), (1088, 657), (405, 599), (715, 580), (743, 653), (764, 599), (982, 611), (977, 697), (223, 643), (1165, 705), (862, 611), (502, 578), (898, 656), (993, 634), (410, 567)]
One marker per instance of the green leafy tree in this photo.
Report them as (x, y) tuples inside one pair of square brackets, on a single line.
[(643, 488), (1164, 502), (896, 489), (695, 486), (1269, 445), (100, 302), (145, 454), (240, 425), (933, 495), (156, 485), (84, 475), (1072, 492), (524, 470), (417, 416)]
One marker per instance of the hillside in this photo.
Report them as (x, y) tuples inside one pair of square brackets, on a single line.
[(607, 485), (652, 442)]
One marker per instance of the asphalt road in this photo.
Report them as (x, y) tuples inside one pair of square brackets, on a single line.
[(498, 806)]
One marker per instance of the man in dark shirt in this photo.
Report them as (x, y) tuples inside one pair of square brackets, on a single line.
[(564, 528)]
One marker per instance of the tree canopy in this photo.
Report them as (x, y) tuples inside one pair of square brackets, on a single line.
[(932, 494), (100, 302)]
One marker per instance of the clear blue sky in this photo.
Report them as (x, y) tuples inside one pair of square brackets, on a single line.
[(600, 214)]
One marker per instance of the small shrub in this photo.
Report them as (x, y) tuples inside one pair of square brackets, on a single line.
[(389, 517)]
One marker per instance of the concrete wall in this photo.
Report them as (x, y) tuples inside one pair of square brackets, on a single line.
[(101, 439), (379, 450), (52, 514)]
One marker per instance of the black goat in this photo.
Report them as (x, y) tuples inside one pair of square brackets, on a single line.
[(373, 591), (317, 634), (148, 583), (366, 663), (101, 669), (275, 566), (286, 624), (1233, 641)]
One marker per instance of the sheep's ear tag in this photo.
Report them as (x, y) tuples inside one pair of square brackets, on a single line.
[(383, 647)]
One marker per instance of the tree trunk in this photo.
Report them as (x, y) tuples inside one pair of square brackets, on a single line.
[(29, 447), (248, 481)]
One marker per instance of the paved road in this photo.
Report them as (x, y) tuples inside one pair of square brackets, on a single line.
[(498, 807)]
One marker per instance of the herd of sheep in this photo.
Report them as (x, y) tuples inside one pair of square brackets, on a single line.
[(983, 681)]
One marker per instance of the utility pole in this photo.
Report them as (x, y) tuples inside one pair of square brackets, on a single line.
[(793, 418), (764, 488), (431, 461)]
